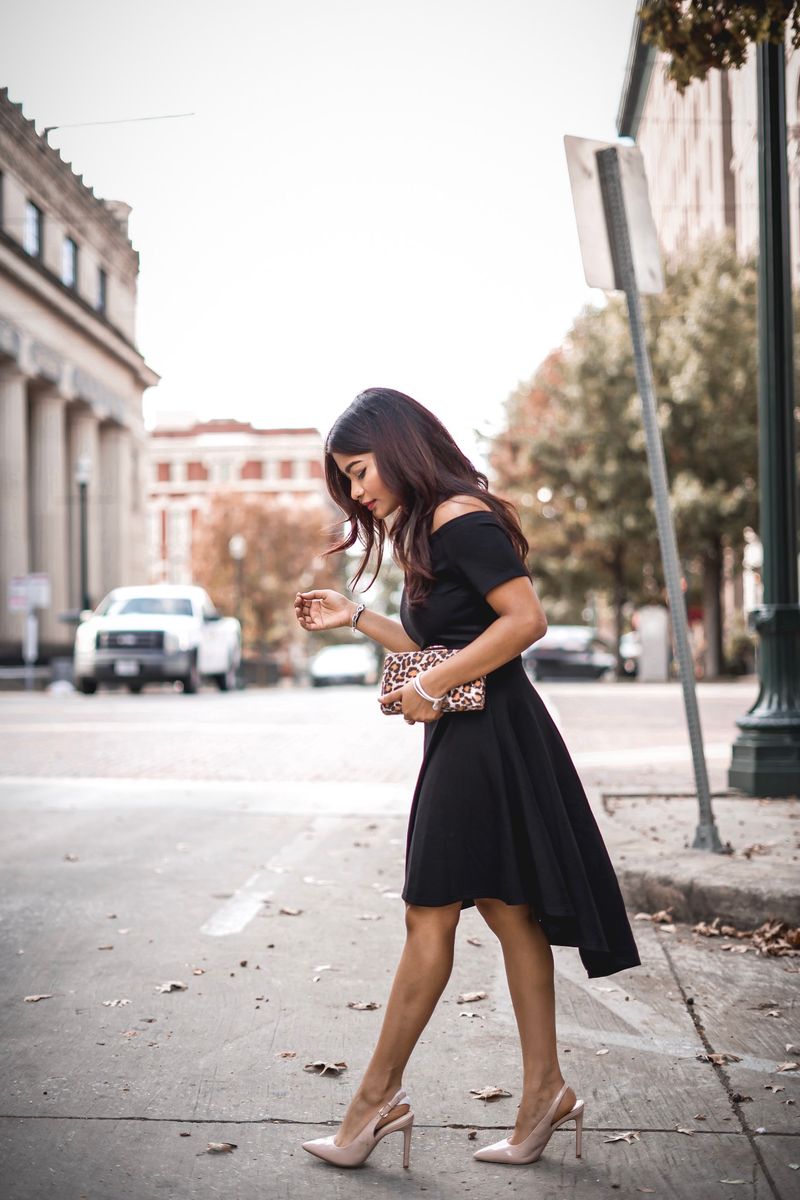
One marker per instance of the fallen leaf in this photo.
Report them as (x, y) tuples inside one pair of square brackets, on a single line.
[(470, 997), (738, 1098), (323, 1068), (641, 1189), (324, 967), (667, 928), (130, 1033), (699, 1117), (70, 858), (172, 985), (632, 1135), (105, 947), (719, 1060), (40, 996), (286, 1054), (184, 1133), (788, 1066), (790, 1048), (774, 1087), (115, 1003), (688, 1132), (220, 1147), (733, 1181), (756, 848), (480, 1016), (489, 1093), (795, 1166), (289, 912), (363, 1005), (198, 970), (471, 1136), (605, 1051), (773, 1012), (604, 989)]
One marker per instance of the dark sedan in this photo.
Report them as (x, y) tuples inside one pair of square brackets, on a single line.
[(569, 652)]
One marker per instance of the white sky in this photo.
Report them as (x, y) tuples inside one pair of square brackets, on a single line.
[(370, 192)]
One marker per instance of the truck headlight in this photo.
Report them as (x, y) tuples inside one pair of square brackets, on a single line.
[(84, 636), (171, 643)]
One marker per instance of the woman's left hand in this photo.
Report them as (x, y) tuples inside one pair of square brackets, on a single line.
[(414, 707)]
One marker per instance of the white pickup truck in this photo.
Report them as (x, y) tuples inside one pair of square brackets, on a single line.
[(138, 635)]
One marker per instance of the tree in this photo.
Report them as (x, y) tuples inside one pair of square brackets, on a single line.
[(573, 455), (283, 556), (704, 35)]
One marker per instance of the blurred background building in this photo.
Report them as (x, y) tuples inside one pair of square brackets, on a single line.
[(71, 384), (192, 461)]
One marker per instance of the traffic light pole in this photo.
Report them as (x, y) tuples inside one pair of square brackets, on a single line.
[(766, 755)]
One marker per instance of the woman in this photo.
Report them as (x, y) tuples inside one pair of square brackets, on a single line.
[(499, 818)]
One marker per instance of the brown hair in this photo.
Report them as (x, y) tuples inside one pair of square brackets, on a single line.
[(420, 463)]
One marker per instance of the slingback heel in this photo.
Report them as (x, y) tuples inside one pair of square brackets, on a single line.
[(531, 1147), (359, 1149)]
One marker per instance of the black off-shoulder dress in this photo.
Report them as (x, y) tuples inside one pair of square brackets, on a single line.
[(498, 808)]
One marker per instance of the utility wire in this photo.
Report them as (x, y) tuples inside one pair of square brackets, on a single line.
[(122, 121)]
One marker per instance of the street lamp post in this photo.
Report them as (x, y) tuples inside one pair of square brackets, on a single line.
[(766, 754), (83, 471), (237, 548)]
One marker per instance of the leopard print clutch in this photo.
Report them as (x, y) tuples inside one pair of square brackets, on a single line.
[(400, 667)]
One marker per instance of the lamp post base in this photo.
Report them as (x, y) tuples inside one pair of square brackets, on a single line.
[(766, 764)]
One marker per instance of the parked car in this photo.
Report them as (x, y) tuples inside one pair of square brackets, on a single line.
[(569, 652), (138, 635), (343, 664), (630, 649)]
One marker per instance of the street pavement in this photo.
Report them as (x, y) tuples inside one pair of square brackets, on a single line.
[(250, 847)]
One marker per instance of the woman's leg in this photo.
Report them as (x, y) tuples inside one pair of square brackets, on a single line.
[(420, 979), (528, 960)]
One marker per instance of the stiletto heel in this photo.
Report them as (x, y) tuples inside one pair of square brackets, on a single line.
[(407, 1142), (358, 1151), (531, 1147)]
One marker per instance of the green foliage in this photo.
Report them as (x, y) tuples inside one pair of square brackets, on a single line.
[(704, 35), (573, 456)]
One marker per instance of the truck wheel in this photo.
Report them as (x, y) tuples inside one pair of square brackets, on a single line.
[(191, 682), (226, 682), (87, 686)]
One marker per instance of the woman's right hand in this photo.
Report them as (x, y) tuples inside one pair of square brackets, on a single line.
[(323, 609)]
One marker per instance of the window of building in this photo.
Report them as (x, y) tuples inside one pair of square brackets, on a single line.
[(69, 263), (163, 472), (315, 469), (32, 234), (196, 472), (252, 469), (286, 469), (101, 299)]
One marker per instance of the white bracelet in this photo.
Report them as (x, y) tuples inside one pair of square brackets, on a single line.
[(436, 701), (353, 620)]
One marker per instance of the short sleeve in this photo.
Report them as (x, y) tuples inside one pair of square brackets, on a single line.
[(479, 548)]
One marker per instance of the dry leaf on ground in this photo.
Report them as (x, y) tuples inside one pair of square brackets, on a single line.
[(632, 1135), (788, 1066), (688, 1132), (719, 1060), (286, 1054), (773, 1087), (489, 1093), (470, 997), (219, 1147), (480, 1016), (70, 858), (363, 1005), (172, 985), (662, 917), (289, 912), (115, 1003), (326, 1068), (39, 996), (604, 1051), (198, 970), (790, 1048)]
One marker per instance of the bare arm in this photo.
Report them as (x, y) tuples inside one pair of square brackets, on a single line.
[(326, 609)]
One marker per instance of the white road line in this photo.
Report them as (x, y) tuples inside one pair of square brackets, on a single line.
[(248, 900)]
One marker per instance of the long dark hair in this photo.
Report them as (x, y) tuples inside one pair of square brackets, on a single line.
[(420, 463)]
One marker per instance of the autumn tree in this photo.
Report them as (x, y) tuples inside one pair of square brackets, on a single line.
[(284, 555)]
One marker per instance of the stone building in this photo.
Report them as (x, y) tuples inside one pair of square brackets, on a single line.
[(71, 382), (700, 149), (190, 460)]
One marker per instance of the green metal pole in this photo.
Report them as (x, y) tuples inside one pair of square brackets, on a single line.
[(766, 754)]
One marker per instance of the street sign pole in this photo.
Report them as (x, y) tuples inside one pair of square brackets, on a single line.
[(706, 834)]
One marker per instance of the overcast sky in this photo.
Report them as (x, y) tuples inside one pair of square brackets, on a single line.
[(369, 192)]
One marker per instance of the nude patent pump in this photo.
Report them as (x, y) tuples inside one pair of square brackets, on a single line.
[(362, 1145), (531, 1147)]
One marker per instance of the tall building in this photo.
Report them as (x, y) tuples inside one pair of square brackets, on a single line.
[(700, 149), (71, 383), (190, 461)]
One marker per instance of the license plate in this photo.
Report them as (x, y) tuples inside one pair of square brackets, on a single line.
[(126, 666)]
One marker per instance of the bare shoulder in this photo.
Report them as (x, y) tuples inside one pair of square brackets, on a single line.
[(456, 506)]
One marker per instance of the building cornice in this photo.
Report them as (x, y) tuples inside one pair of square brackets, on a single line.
[(638, 70), (34, 160)]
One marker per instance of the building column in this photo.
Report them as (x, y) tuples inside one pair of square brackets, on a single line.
[(13, 494), (84, 443), (115, 506), (48, 512)]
